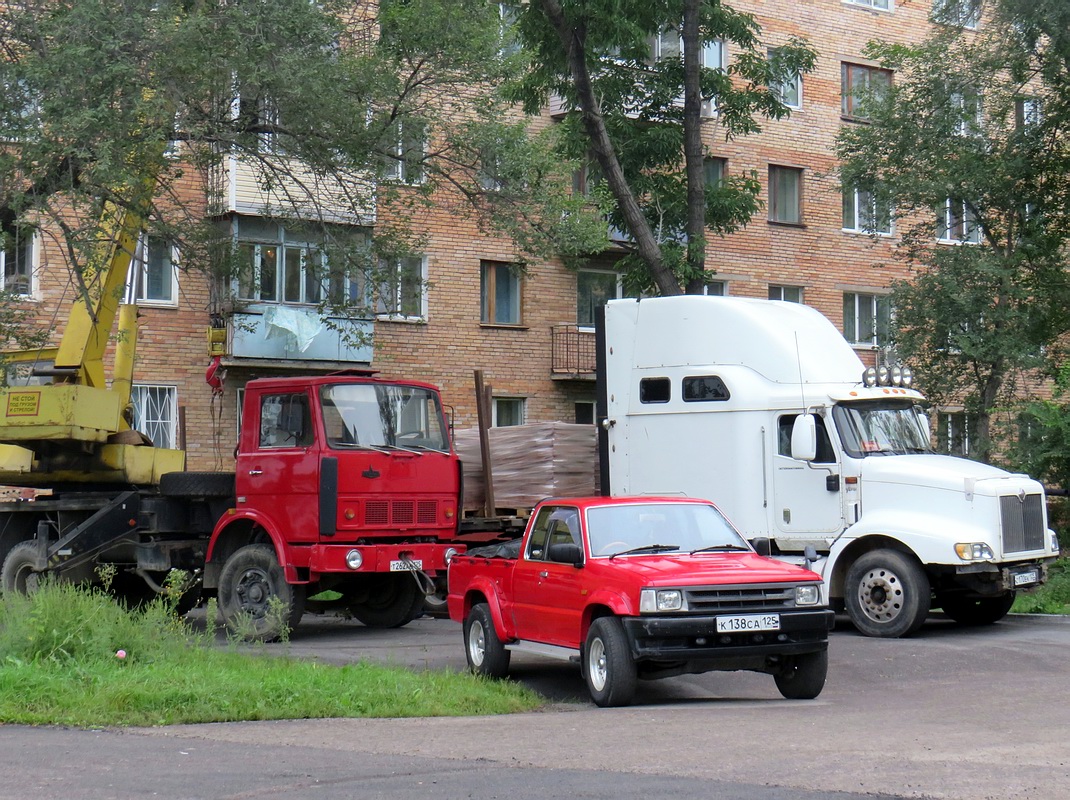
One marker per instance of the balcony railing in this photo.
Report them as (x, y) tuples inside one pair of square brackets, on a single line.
[(573, 352)]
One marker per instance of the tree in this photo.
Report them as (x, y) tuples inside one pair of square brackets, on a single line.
[(621, 68), (976, 175), (318, 100)]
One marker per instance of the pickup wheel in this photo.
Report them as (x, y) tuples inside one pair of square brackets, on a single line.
[(19, 575), (390, 602), (484, 650), (887, 594), (608, 667), (977, 611), (803, 675), (256, 601)]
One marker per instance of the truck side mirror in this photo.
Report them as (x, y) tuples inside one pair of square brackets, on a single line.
[(761, 545), (804, 438), (567, 553)]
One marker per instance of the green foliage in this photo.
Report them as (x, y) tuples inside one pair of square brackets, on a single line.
[(1042, 447), (1051, 598), (60, 665)]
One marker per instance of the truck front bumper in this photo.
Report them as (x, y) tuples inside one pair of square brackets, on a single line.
[(695, 638)]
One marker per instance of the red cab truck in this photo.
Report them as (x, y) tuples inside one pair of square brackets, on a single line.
[(640, 587)]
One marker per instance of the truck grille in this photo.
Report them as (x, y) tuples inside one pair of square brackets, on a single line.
[(1023, 523), (771, 597), (378, 513)]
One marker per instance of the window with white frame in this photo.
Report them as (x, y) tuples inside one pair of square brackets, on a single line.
[(713, 57), (960, 13), (789, 294), (863, 212), (956, 433), (668, 44), (1028, 112), (16, 259), (405, 150), (401, 288), (867, 318), (715, 288), (500, 291), (957, 222), (156, 413), (966, 105), (259, 114), (789, 91), (153, 275), (508, 14), (859, 85), (507, 411), (883, 5), (277, 264), (593, 289), (785, 195)]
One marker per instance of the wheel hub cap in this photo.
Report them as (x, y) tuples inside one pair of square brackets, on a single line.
[(880, 594)]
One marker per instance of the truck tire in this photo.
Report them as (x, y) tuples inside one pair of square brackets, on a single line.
[(393, 600), (608, 667), (197, 484), (482, 648), (251, 579), (887, 594), (977, 611), (18, 575), (803, 676)]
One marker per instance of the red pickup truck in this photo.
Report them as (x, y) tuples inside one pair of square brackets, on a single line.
[(640, 587)]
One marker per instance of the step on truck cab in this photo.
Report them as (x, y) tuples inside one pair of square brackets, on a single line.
[(763, 407)]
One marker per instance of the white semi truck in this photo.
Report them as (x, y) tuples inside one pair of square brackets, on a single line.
[(764, 408)]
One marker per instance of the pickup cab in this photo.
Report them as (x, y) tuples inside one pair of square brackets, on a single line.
[(640, 587)]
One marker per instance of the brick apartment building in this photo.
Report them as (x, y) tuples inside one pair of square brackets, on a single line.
[(530, 334)]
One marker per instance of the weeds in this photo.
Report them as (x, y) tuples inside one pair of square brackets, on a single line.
[(1051, 598)]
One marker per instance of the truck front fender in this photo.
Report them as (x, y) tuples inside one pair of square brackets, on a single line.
[(932, 536), (235, 529)]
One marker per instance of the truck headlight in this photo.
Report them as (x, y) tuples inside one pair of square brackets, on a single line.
[(974, 551), (449, 554), (807, 595), (1054, 543), (354, 559), (654, 600)]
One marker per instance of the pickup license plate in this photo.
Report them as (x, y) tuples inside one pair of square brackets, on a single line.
[(1026, 578), (406, 566), (748, 622)]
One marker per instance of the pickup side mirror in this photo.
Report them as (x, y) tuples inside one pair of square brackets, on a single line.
[(761, 545), (566, 554), (804, 438)]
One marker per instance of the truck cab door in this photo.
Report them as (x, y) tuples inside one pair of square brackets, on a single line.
[(279, 476), (807, 495)]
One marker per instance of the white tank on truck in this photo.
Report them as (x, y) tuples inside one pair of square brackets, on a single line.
[(763, 407)]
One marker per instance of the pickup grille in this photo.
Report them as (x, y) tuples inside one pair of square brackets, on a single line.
[(1023, 523), (380, 513), (716, 599)]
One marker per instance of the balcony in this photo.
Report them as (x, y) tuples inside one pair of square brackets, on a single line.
[(573, 352), (297, 333)]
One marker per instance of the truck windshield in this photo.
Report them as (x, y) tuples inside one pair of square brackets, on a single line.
[(378, 415), (881, 427), (646, 528)]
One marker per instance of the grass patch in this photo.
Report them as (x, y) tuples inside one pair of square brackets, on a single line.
[(60, 664), (1051, 598)]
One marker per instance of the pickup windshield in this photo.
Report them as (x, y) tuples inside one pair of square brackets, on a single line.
[(881, 427), (650, 528), (383, 416)]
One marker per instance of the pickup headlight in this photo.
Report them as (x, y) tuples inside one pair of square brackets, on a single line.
[(652, 601), (807, 595), (974, 551)]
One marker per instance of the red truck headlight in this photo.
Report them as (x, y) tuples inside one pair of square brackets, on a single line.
[(354, 559), (807, 595)]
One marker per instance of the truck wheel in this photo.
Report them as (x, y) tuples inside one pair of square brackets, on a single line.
[(977, 611), (197, 484), (18, 575), (608, 667), (484, 650), (887, 594), (250, 579), (803, 676), (390, 601)]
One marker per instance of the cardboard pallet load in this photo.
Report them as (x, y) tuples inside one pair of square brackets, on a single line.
[(528, 463)]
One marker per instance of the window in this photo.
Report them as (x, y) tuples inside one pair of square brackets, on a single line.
[(956, 433), (16, 259), (259, 115), (713, 57), (961, 13), (825, 452), (401, 289), (499, 287), (715, 288), (789, 91), (860, 85), (153, 277), (668, 44), (789, 294), (584, 412), (704, 389), (864, 213), (715, 169), (276, 265), (405, 152), (867, 318), (285, 421), (883, 5), (509, 13), (593, 289), (507, 411), (956, 222), (156, 413), (966, 106), (1028, 112), (785, 195), (655, 390)]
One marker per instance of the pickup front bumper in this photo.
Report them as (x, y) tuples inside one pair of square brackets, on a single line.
[(695, 638)]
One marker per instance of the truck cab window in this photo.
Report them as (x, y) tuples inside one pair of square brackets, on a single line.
[(285, 421), (540, 532), (825, 453), (654, 390)]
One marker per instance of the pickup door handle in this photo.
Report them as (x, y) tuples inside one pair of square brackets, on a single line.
[(256, 472), (543, 574)]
